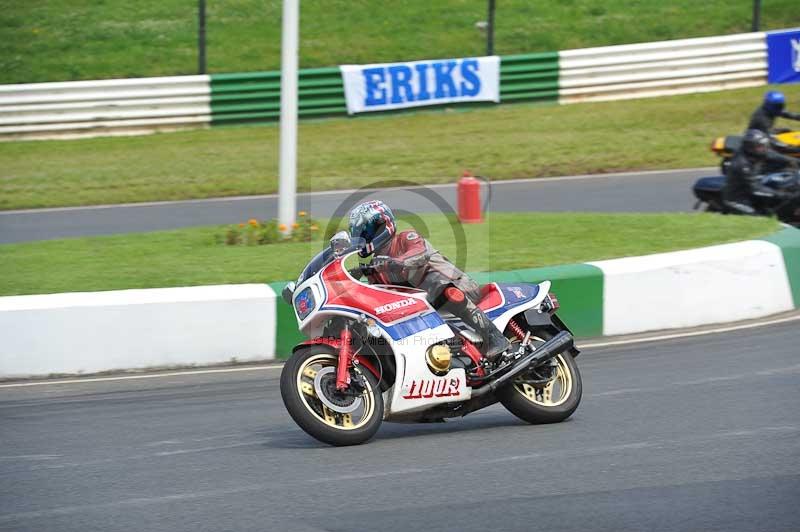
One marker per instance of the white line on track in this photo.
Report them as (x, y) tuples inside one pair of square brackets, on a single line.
[(690, 334), (533, 180), (269, 367), (146, 376)]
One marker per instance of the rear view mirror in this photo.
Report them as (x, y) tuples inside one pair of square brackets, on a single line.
[(288, 292), (340, 242)]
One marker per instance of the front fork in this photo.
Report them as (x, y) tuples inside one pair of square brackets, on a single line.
[(345, 360)]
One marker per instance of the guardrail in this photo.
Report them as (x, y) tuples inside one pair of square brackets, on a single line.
[(89, 332), (164, 327), (114, 106), (255, 96), (529, 77), (662, 68), (128, 106)]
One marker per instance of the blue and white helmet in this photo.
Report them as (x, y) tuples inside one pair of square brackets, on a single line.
[(774, 101), (374, 222)]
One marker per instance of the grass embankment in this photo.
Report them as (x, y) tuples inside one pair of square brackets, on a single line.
[(427, 147), (509, 241), (86, 39)]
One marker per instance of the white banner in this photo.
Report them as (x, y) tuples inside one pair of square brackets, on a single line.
[(383, 86)]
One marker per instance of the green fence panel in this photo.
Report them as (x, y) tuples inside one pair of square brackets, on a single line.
[(255, 96), (789, 241), (529, 77), (286, 333), (579, 288)]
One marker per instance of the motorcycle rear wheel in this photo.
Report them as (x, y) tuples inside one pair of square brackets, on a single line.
[(552, 402), (331, 418)]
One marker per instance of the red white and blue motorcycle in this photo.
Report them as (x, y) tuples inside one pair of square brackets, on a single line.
[(380, 352)]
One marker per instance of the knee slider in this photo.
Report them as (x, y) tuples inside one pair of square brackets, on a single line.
[(455, 297)]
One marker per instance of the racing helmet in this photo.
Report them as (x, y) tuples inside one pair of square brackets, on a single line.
[(774, 102), (374, 222), (755, 143)]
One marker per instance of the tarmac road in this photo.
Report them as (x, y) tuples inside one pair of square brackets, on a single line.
[(659, 191), (698, 433)]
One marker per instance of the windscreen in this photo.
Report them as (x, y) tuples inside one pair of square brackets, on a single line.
[(316, 264), (324, 257)]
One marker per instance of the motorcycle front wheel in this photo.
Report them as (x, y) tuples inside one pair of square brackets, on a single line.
[(546, 394), (308, 389)]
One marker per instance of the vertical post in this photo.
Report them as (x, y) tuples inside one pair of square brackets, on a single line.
[(756, 15), (287, 172), (201, 36), (490, 29)]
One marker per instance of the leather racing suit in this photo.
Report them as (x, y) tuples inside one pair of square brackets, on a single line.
[(408, 259)]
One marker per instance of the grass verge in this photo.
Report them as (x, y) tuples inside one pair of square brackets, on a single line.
[(502, 142), (508, 241), (42, 40)]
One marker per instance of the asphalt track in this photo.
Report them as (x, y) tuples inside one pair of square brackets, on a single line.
[(699, 433), (659, 191)]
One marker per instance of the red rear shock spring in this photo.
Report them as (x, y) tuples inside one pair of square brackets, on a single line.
[(516, 329)]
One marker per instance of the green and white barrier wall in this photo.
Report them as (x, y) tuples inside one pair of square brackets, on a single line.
[(92, 332), (129, 106)]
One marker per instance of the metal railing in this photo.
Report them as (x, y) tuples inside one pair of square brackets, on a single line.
[(148, 104)]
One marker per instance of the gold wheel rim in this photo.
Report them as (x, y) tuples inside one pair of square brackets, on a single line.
[(560, 385), (328, 416), (543, 395)]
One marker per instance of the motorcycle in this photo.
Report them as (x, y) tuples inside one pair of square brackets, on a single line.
[(383, 353), (786, 142), (708, 191)]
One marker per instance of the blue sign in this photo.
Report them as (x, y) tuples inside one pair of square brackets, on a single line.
[(385, 86), (783, 56), (393, 84)]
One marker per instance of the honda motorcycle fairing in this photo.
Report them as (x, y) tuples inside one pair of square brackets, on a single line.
[(382, 352), (409, 325)]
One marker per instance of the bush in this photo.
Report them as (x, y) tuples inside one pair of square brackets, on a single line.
[(256, 233)]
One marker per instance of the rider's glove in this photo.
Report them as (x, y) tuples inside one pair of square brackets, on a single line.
[(382, 263), (356, 272)]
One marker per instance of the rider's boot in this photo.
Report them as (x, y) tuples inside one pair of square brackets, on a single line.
[(494, 342)]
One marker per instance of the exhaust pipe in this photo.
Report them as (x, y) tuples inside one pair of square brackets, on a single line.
[(484, 396), (556, 345)]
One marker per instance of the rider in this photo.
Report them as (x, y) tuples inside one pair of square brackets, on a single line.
[(763, 119), (407, 258), (747, 164), (773, 106)]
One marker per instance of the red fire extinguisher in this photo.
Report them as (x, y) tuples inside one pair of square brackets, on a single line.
[(469, 199)]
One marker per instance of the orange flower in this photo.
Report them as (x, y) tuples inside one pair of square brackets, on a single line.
[(295, 225), (301, 213), (253, 222), (241, 225), (282, 228)]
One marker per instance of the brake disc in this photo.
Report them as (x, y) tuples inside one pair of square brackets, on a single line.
[(325, 387)]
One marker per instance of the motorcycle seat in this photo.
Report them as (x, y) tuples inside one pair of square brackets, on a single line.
[(491, 297)]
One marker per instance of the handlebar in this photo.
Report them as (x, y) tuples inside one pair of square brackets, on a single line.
[(360, 271), (381, 262)]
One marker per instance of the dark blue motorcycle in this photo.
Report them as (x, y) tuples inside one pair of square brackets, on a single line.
[(708, 191)]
